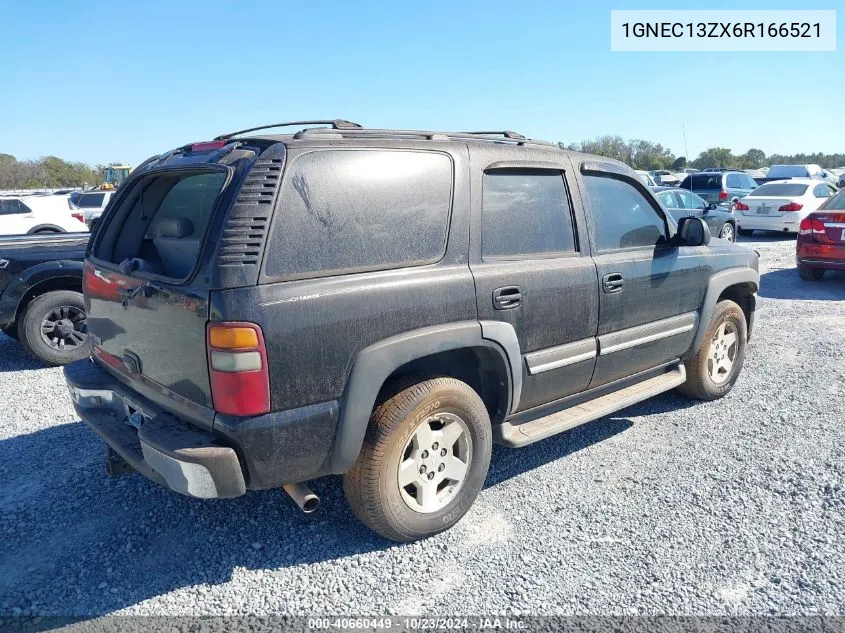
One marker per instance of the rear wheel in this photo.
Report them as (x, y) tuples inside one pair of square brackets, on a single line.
[(712, 372), (745, 232), (423, 462), (53, 328), (810, 274), (727, 232)]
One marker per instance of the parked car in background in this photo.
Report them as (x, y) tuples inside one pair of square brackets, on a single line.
[(646, 178), (757, 175), (263, 322), (786, 172), (821, 239), (26, 215), (681, 203), (841, 182), (664, 178), (92, 204), (781, 205), (41, 295), (720, 187)]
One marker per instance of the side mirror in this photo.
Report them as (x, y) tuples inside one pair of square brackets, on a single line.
[(693, 232)]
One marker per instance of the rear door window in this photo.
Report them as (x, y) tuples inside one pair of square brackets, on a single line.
[(691, 201), (668, 199), (735, 181), (525, 212), (353, 210), (160, 224), (12, 207)]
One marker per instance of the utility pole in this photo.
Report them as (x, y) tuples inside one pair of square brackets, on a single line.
[(686, 151)]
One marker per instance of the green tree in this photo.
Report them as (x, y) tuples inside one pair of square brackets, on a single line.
[(679, 163), (716, 157), (753, 159)]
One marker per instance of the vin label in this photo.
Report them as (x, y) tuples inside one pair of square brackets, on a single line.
[(717, 30)]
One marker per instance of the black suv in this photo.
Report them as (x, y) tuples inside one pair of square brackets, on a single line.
[(385, 304)]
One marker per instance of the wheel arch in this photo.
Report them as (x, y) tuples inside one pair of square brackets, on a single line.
[(737, 284), (45, 227), (464, 350), (47, 277)]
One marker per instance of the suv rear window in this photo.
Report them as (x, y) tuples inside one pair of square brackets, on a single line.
[(711, 180), (161, 222), (348, 210), (780, 189), (90, 200)]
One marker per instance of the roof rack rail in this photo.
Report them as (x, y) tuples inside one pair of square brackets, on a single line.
[(337, 124), (506, 133)]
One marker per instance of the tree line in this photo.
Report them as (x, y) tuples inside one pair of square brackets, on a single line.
[(52, 172), (48, 172), (646, 155)]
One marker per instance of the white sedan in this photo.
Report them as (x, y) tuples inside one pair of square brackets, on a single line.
[(26, 215), (780, 205)]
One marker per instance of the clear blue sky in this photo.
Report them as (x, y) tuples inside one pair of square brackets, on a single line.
[(119, 81)]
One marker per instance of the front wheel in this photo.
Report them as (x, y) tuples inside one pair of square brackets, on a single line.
[(727, 232), (53, 328), (810, 274), (424, 460), (712, 372)]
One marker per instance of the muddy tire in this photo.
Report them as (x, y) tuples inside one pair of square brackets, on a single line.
[(712, 372), (424, 460)]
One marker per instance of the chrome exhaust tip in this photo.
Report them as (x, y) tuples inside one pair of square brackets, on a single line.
[(303, 496)]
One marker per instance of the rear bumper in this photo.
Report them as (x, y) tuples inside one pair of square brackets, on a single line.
[(782, 223), (817, 255), (826, 264), (156, 444)]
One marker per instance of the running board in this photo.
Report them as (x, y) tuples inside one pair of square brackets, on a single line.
[(529, 432)]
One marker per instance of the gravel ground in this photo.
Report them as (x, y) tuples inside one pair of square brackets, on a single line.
[(668, 507)]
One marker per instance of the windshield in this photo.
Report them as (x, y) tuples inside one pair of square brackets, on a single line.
[(786, 189)]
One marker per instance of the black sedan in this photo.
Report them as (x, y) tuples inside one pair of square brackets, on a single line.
[(681, 203)]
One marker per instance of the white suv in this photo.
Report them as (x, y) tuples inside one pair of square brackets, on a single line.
[(26, 215)]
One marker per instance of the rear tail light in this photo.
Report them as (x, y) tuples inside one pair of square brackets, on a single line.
[(97, 284), (78, 216), (792, 206), (723, 195), (741, 207), (237, 366), (810, 225)]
